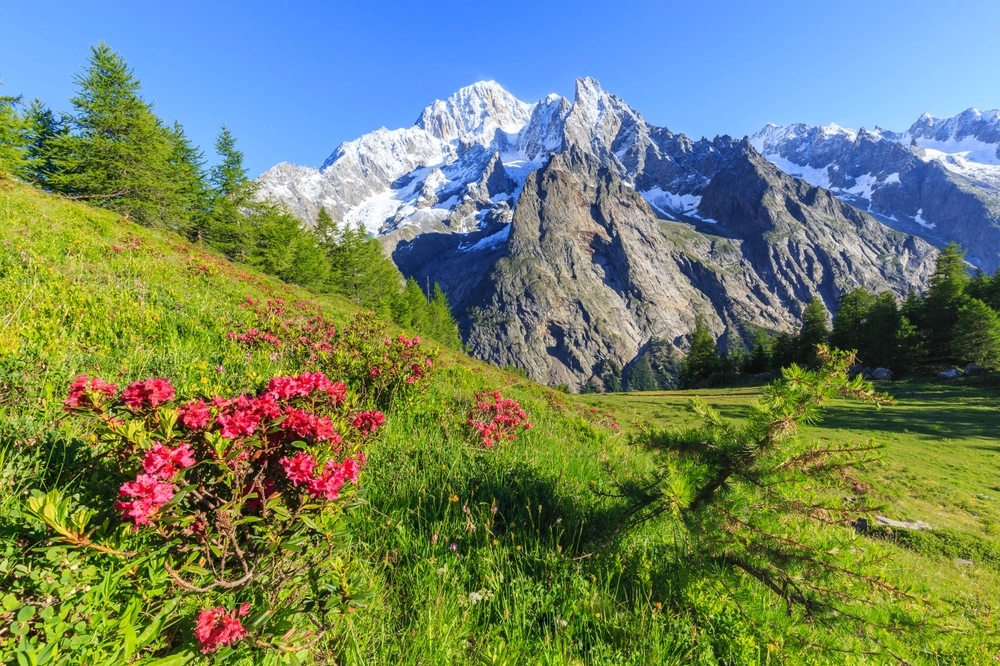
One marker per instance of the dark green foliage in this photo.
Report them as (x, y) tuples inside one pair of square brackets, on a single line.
[(409, 309), (876, 329), (640, 375), (813, 332), (12, 139), (361, 271), (945, 296), (986, 289), (761, 352), (976, 334), (118, 153), (783, 352), (441, 324), (43, 132), (703, 359)]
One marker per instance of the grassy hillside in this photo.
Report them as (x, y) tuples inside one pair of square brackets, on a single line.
[(471, 556)]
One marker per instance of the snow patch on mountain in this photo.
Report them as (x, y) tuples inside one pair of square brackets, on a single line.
[(670, 204)]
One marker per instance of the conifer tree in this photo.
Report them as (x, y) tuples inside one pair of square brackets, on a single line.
[(703, 359), (44, 131), (409, 309), (118, 153), (191, 193), (361, 271), (232, 197), (977, 334), (945, 296), (760, 355), (12, 141), (813, 332), (783, 351), (640, 375), (442, 325), (849, 322)]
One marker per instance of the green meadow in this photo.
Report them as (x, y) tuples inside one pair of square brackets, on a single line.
[(468, 556)]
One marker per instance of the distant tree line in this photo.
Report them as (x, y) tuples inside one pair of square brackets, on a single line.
[(956, 322), (113, 151)]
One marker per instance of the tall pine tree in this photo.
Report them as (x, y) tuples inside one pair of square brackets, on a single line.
[(118, 153), (813, 332)]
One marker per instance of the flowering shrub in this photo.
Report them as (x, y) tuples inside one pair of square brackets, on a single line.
[(379, 365), (242, 497), (496, 419)]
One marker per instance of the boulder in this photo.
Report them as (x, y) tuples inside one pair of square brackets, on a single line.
[(882, 374), (972, 370), (902, 524), (950, 373)]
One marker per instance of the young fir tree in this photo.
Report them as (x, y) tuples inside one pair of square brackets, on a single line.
[(734, 489), (12, 137), (945, 296), (640, 375), (976, 334), (44, 132), (409, 308), (813, 332), (118, 153), (986, 289), (361, 272), (783, 351), (760, 355), (849, 322), (442, 325), (187, 168), (703, 359), (231, 199)]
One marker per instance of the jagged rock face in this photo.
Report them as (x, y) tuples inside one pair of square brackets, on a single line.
[(940, 179), (590, 273), (569, 233)]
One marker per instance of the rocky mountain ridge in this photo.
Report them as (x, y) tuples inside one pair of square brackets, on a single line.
[(567, 233), (939, 179)]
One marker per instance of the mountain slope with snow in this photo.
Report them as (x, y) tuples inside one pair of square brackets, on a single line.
[(939, 179), (569, 232)]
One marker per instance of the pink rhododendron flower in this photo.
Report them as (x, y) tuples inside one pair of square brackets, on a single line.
[(216, 628), (368, 422), (195, 415), (300, 468), (310, 426), (148, 494), (164, 462), (150, 394), (81, 390), (329, 482)]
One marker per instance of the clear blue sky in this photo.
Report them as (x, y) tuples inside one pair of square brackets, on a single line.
[(294, 79)]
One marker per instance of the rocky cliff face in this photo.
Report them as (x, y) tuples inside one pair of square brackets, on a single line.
[(566, 234), (590, 273)]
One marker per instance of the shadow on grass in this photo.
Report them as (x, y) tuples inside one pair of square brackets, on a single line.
[(937, 419)]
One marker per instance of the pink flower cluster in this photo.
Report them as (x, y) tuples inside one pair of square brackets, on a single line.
[(368, 422), (310, 426), (87, 392), (287, 388), (215, 627), (155, 487), (322, 482), (254, 338), (148, 394), (497, 420)]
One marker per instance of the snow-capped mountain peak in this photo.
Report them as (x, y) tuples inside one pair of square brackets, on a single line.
[(478, 110)]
